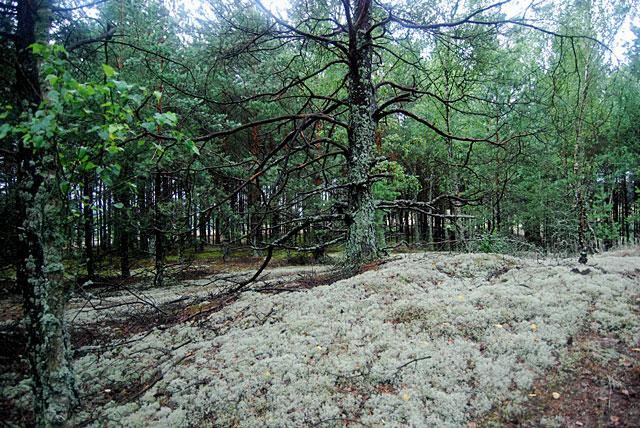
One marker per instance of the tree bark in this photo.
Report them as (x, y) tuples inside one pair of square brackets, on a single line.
[(39, 271), (142, 219), (87, 213), (361, 243), (203, 222), (158, 228), (123, 225)]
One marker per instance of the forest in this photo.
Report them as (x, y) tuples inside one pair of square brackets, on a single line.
[(319, 213)]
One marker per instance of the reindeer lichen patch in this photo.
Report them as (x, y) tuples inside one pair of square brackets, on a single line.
[(395, 346)]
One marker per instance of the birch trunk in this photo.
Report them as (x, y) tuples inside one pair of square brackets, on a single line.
[(39, 271)]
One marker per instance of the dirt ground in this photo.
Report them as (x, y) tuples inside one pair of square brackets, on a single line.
[(583, 392)]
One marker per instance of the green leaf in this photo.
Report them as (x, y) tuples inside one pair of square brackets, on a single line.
[(87, 90), (104, 134), (52, 78), (171, 117), (149, 126), (59, 49), (122, 86), (167, 118), (37, 48), (115, 127), (108, 70), (118, 205), (38, 142), (114, 149), (191, 145), (4, 130), (89, 166)]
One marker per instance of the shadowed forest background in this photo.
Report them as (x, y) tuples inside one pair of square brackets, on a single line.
[(147, 143)]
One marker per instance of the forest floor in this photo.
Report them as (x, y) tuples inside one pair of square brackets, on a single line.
[(426, 339)]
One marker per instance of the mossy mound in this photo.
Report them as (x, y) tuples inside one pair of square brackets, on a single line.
[(424, 340)]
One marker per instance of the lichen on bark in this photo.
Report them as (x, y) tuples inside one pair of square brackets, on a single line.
[(45, 298), (361, 238), (39, 270)]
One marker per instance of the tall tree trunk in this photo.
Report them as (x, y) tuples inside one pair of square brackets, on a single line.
[(39, 271), (123, 225), (217, 230), (429, 219), (625, 209), (182, 228), (142, 219), (108, 222), (254, 221), (578, 159), (158, 227), (104, 226), (635, 203), (275, 224), (87, 213), (361, 237), (100, 229), (453, 186), (203, 222)]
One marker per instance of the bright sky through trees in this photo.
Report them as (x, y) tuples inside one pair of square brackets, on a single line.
[(514, 8)]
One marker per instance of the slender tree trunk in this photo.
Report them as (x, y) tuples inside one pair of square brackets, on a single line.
[(453, 187), (625, 209), (203, 221), (439, 229), (79, 228), (182, 229), (158, 227), (105, 204), (275, 225), (87, 213), (101, 217), (429, 219), (254, 222), (142, 219), (636, 209), (217, 230), (407, 226), (39, 271), (578, 158), (122, 215), (108, 204)]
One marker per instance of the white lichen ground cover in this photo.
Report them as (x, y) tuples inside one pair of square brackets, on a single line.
[(425, 340)]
